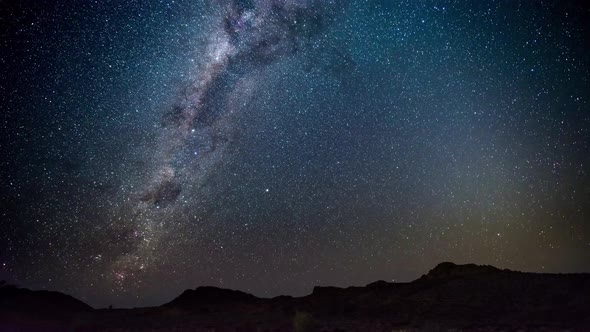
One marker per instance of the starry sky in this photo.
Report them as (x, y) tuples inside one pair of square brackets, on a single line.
[(273, 145)]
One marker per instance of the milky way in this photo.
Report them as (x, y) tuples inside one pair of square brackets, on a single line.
[(274, 145), (197, 131)]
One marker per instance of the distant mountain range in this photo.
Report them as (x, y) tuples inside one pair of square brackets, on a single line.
[(449, 298)]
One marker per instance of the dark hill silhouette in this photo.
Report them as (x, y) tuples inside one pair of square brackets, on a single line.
[(40, 302), (450, 297), (208, 294)]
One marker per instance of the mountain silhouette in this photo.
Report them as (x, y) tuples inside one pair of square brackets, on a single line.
[(449, 297), (41, 302)]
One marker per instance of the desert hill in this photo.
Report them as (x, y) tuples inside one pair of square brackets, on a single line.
[(449, 297)]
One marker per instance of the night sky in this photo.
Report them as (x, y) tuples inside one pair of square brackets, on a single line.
[(269, 146)]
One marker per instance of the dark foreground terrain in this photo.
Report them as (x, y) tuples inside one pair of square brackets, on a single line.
[(449, 298)]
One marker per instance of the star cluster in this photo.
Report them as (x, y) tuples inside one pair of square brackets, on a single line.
[(273, 145)]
